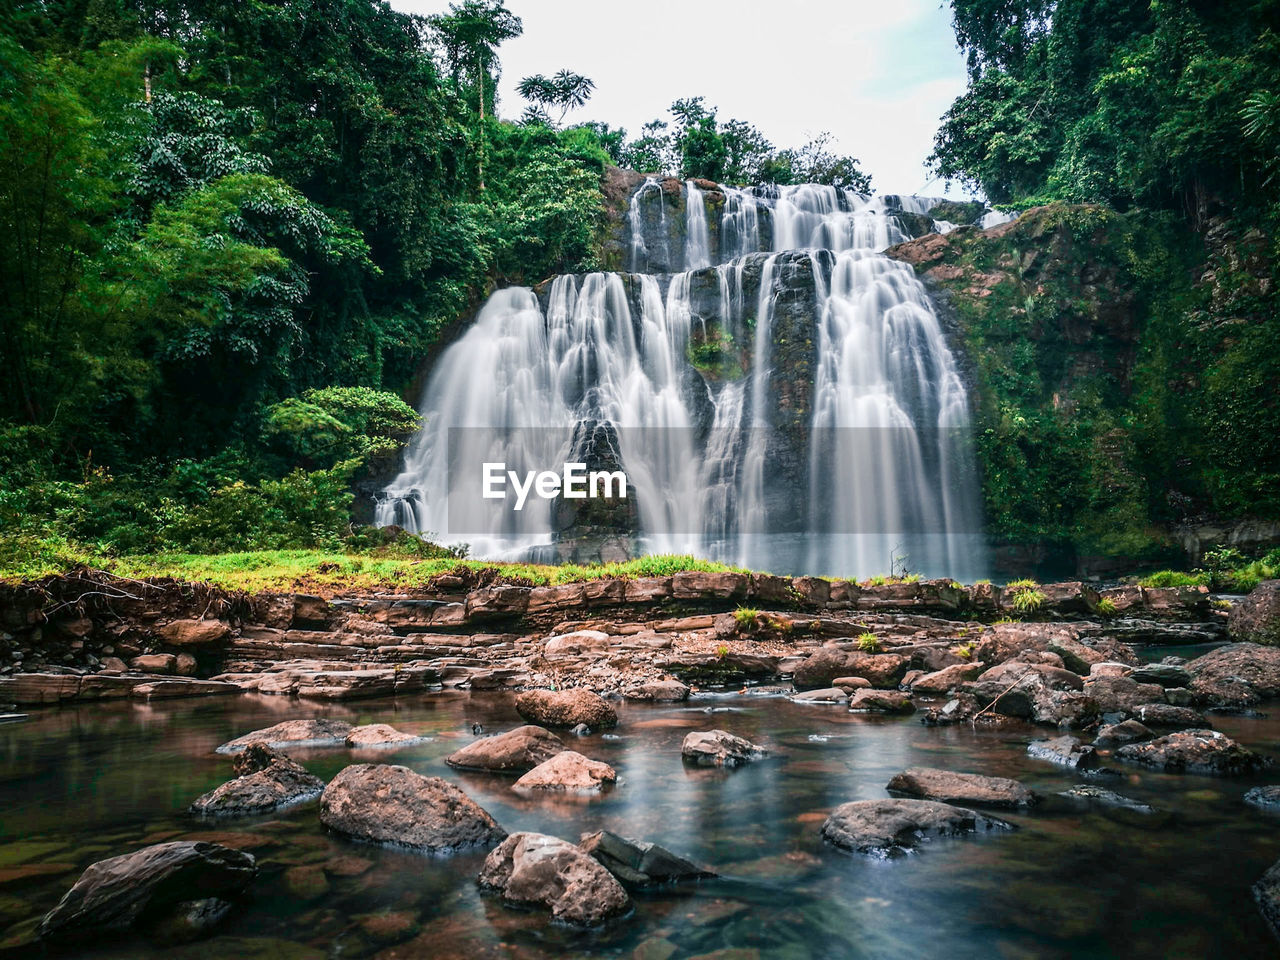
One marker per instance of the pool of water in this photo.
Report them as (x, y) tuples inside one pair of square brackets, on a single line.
[(81, 784)]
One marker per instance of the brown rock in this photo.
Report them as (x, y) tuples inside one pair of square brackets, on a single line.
[(884, 828), (154, 663), (265, 780), (1256, 618), (566, 708), (1236, 676), (1118, 734), (717, 748), (568, 770), (194, 633), (1195, 751), (931, 783), (293, 733), (1167, 715), (395, 805), (881, 701), (516, 750), (1122, 694), (116, 894), (380, 735), (658, 691), (823, 667), (948, 678), (533, 869), (185, 665), (696, 585)]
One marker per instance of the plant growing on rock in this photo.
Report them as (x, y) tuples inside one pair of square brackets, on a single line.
[(1107, 607), (964, 650), (1028, 600), (748, 617), (868, 643)]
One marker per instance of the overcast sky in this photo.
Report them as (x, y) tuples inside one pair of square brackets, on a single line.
[(876, 73)]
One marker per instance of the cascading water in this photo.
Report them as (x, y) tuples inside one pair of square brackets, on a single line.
[(782, 395)]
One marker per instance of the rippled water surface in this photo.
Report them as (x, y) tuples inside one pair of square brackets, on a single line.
[(81, 784)]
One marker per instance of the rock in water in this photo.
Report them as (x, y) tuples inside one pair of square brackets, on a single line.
[(1256, 618), (1264, 798), (1167, 715), (566, 708), (151, 885), (516, 750), (1195, 751), (639, 864), (888, 827), (658, 691), (568, 770), (718, 748), (1089, 795), (1236, 676), (881, 701), (533, 869), (824, 695), (265, 781), (1118, 734), (380, 735), (1065, 752), (393, 805), (946, 786), (822, 668), (293, 733), (1267, 894)]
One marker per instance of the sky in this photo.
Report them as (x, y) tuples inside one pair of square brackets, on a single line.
[(877, 74)]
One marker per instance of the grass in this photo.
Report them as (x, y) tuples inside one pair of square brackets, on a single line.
[(965, 650), (868, 643), (747, 617), (1028, 600), (1107, 607), (267, 570)]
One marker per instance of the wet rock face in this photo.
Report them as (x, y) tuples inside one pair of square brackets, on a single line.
[(566, 708), (394, 805), (718, 748), (1065, 752), (881, 701), (1119, 734), (293, 733), (884, 828), (639, 864), (931, 783), (265, 780), (1256, 618), (535, 870), (1264, 798), (146, 887), (568, 771), (1195, 751), (658, 691), (1090, 796), (1236, 676), (516, 750), (380, 735)]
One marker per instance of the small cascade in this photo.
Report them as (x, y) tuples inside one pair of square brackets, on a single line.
[(780, 393)]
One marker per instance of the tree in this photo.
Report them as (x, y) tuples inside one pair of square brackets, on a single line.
[(566, 90)]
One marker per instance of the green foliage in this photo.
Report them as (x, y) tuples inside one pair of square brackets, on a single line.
[(746, 617), (1027, 600), (1107, 607), (868, 643), (965, 650), (342, 423)]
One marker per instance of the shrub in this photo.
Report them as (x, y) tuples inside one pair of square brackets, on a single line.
[(1107, 607), (1028, 600), (868, 643)]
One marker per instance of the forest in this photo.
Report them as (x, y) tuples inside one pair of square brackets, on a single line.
[(231, 233)]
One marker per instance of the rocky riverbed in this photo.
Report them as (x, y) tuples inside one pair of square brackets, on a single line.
[(662, 768)]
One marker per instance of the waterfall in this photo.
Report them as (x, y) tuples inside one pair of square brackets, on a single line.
[(782, 394)]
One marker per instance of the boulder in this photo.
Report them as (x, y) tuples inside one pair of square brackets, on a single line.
[(566, 708), (849, 684), (1065, 752), (293, 733), (533, 869), (639, 864), (946, 786), (1118, 734), (1266, 892), (884, 828), (1033, 691), (1236, 676), (1167, 715), (568, 770), (658, 691), (380, 735), (1256, 618), (948, 678), (265, 780), (821, 669), (881, 701), (1195, 751), (193, 633), (516, 750), (1122, 694), (579, 645), (394, 805), (717, 748), (1264, 798), (147, 886), (155, 663)]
